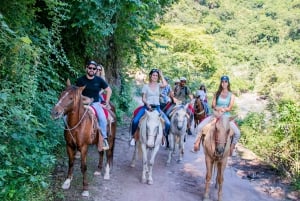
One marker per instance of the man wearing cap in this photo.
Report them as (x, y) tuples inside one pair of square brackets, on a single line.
[(183, 95), (93, 85)]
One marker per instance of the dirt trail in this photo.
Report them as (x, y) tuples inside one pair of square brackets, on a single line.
[(178, 182)]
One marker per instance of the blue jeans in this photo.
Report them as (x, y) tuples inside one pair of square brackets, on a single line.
[(101, 118), (141, 112)]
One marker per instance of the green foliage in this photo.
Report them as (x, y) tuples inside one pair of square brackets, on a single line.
[(27, 89)]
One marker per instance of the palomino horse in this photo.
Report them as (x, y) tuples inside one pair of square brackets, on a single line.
[(179, 121), (81, 130), (199, 111), (150, 134), (216, 145)]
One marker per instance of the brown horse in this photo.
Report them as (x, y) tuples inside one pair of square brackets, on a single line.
[(199, 111), (216, 145), (81, 130)]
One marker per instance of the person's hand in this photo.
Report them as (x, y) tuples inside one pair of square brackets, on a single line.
[(160, 73)]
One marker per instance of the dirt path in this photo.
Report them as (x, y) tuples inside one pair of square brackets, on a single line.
[(178, 182)]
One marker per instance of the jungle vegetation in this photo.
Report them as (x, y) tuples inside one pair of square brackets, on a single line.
[(44, 42)]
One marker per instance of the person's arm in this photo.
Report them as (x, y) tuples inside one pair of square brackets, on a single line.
[(164, 82), (108, 94), (144, 99)]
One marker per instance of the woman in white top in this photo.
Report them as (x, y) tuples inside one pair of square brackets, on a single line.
[(150, 98), (201, 93)]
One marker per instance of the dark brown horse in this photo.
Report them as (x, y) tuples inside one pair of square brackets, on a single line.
[(199, 111), (81, 130)]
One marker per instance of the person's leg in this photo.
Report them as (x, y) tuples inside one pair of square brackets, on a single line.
[(136, 119), (236, 136), (101, 118), (167, 123), (102, 121), (198, 132)]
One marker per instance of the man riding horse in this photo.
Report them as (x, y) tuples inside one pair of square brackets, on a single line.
[(93, 85), (182, 95)]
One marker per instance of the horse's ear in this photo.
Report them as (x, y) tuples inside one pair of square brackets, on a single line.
[(81, 89), (68, 82)]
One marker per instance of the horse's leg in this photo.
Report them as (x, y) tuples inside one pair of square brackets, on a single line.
[(151, 163), (83, 167), (109, 161), (71, 155), (100, 164), (135, 152), (209, 166), (171, 149), (181, 148), (145, 163), (221, 168)]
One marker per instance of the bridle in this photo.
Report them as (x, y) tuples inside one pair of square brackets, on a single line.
[(67, 127), (217, 141), (197, 107)]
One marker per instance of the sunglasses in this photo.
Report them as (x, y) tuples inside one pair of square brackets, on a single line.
[(91, 68)]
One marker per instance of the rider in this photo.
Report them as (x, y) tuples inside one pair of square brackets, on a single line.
[(222, 102), (182, 95), (201, 93), (150, 98), (101, 73), (165, 95), (93, 85)]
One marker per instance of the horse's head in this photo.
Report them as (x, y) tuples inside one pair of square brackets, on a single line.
[(222, 132), (153, 127), (68, 99), (179, 118)]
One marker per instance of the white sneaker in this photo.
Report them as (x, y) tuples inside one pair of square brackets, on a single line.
[(132, 142)]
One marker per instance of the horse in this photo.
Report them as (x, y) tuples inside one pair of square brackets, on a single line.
[(81, 130), (199, 111), (216, 145), (179, 121), (149, 137)]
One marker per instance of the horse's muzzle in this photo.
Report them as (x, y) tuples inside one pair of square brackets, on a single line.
[(220, 150), (56, 114)]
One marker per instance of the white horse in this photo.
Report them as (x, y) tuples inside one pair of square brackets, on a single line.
[(150, 137), (179, 120)]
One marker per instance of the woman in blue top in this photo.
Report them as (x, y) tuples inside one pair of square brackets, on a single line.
[(223, 102), (150, 98)]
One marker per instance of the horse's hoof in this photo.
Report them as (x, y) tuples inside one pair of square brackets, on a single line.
[(179, 161), (132, 165), (106, 177), (85, 194), (97, 173), (66, 184), (144, 181), (150, 182), (77, 155)]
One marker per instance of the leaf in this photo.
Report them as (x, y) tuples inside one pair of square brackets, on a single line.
[(26, 40)]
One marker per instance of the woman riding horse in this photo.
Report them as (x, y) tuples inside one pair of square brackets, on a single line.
[(223, 102), (150, 98)]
